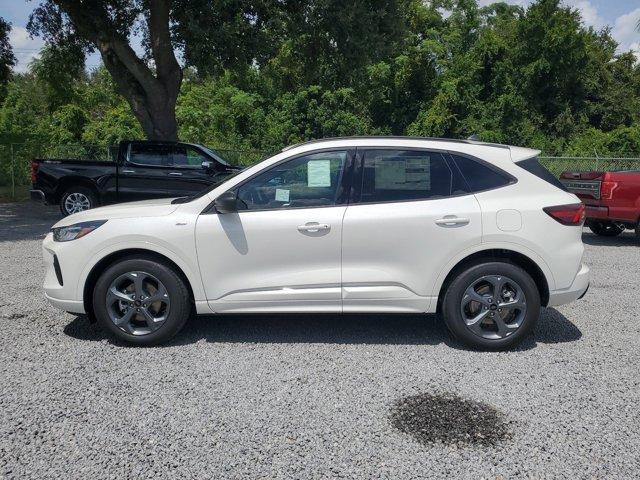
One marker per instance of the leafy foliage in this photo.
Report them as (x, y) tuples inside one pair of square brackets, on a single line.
[(7, 59), (264, 74)]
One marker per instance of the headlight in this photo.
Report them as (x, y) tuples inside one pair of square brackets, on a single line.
[(73, 232)]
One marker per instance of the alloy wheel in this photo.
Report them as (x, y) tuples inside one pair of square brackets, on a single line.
[(76, 202), (137, 303), (493, 307)]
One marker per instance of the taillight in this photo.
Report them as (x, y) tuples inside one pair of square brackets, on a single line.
[(567, 214), (606, 189), (34, 170)]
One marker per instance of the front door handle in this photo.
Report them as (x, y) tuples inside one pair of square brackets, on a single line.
[(452, 221), (175, 174), (128, 171), (313, 227)]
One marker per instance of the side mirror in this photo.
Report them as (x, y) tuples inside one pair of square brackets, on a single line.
[(226, 203), (207, 165)]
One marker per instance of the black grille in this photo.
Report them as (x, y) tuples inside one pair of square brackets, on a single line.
[(56, 267)]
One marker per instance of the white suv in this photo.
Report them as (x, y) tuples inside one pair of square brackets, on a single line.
[(478, 232)]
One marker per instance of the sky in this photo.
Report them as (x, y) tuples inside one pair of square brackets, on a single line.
[(621, 15)]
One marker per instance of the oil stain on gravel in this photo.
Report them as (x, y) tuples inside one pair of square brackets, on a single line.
[(449, 419)]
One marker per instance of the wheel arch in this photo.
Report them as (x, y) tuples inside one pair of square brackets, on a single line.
[(503, 255), (68, 182), (111, 258)]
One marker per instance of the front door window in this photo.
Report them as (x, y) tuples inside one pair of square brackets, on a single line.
[(308, 181)]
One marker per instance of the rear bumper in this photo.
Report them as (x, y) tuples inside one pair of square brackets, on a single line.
[(612, 213), (576, 291), (39, 196), (598, 213)]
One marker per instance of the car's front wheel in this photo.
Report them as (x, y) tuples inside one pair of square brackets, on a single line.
[(491, 306), (141, 300)]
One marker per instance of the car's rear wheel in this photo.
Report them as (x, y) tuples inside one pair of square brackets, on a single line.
[(77, 199), (141, 301), (604, 228), (491, 306)]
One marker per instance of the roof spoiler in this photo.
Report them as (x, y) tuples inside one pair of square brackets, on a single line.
[(518, 154)]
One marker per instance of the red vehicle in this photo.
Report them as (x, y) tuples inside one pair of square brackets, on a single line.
[(612, 199)]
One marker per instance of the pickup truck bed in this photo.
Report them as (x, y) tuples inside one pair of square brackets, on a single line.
[(612, 199)]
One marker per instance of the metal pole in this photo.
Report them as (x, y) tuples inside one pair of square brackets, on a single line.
[(597, 162), (13, 175)]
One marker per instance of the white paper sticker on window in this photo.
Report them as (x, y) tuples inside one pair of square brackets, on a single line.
[(319, 173), (282, 195), (403, 174), (389, 174)]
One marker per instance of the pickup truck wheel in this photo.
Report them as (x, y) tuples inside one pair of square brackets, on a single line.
[(605, 229), (77, 199), (491, 306), (141, 301)]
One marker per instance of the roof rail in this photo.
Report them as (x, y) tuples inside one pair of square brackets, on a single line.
[(396, 137)]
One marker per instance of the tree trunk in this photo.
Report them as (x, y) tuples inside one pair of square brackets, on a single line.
[(152, 97), (153, 103)]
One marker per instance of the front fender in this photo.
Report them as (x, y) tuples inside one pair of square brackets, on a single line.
[(189, 268)]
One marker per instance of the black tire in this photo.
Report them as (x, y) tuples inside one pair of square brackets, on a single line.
[(456, 295), (179, 309), (81, 193), (604, 228)]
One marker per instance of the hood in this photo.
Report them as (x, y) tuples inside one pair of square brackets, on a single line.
[(146, 208)]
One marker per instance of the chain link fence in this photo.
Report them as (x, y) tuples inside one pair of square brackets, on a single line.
[(557, 165), (15, 162)]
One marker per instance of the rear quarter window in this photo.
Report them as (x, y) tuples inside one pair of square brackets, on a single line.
[(479, 176), (533, 166)]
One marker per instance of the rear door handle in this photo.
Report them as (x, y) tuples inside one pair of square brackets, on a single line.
[(452, 221), (175, 174), (128, 171), (313, 227)]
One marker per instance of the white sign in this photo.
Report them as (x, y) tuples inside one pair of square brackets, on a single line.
[(319, 173), (282, 195), (403, 174)]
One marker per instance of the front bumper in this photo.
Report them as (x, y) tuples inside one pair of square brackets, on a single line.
[(576, 291), (71, 306), (59, 289)]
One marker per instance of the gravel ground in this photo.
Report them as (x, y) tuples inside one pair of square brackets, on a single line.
[(314, 396)]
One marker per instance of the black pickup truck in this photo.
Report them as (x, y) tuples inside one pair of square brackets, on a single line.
[(142, 170)]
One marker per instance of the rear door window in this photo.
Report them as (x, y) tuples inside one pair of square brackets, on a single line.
[(404, 175), (151, 155)]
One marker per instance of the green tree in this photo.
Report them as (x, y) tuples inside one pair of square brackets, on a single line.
[(107, 26), (7, 59), (284, 71)]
